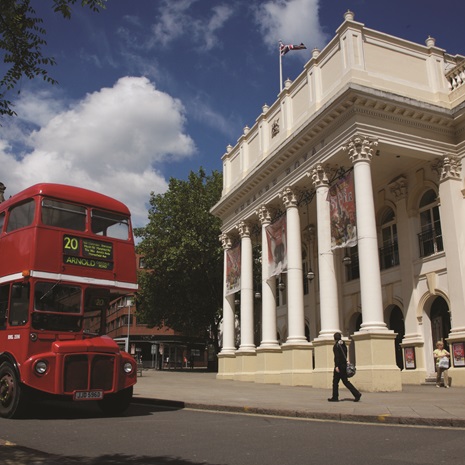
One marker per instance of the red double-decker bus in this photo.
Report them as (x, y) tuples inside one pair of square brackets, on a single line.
[(65, 253)]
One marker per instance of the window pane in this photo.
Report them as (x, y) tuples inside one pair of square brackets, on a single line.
[(63, 215), (21, 216), (2, 221), (428, 198), (110, 224), (388, 216), (53, 297)]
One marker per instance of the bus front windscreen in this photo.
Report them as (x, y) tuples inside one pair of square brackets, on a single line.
[(57, 307)]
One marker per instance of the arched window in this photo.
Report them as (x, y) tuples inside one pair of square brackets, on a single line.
[(389, 251), (430, 237)]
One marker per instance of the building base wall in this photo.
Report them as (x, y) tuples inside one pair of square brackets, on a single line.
[(457, 357), (226, 366), (246, 366), (324, 363), (376, 365), (269, 366), (298, 363), (418, 374)]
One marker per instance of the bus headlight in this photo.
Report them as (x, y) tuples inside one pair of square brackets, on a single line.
[(127, 367), (41, 367)]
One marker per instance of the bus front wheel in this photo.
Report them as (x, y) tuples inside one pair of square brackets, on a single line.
[(116, 404), (11, 392)]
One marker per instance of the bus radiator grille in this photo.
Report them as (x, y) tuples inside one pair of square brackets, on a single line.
[(88, 371)]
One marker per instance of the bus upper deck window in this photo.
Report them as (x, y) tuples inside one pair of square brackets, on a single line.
[(21, 216), (2, 221), (63, 215), (110, 224)]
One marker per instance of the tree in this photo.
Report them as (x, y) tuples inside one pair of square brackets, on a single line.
[(183, 288), (21, 40)]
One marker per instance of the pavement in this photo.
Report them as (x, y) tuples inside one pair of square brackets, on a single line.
[(415, 405)]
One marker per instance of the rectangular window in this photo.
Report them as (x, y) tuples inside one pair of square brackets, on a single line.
[(110, 224), (21, 216), (4, 296), (57, 298), (2, 221), (63, 215), (19, 309)]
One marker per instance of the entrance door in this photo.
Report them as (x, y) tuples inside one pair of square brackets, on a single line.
[(440, 321), (396, 324)]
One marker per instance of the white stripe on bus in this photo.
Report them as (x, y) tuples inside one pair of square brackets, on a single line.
[(71, 278)]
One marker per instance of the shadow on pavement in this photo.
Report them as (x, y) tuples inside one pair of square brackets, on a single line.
[(14, 455), (69, 410)]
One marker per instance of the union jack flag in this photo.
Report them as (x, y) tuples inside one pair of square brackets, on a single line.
[(283, 49)]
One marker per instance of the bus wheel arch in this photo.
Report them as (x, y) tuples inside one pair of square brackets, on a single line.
[(12, 392)]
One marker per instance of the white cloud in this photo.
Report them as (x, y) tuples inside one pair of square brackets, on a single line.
[(111, 142), (292, 21), (176, 20)]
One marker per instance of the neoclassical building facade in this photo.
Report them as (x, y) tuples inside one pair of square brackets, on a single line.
[(392, 113)]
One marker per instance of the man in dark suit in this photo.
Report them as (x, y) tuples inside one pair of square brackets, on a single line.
[(340, 373)]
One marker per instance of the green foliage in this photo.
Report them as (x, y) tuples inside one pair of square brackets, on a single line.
[(22, 37), (184, 287)]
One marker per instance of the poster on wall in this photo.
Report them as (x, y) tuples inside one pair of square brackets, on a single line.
[(233, 270), (458, 354), (341, 198), (277, 247), (409, 354)]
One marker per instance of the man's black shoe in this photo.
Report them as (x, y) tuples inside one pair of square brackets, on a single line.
[(357, 397), (333, 400)]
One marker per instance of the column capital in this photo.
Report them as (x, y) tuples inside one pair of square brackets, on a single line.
[(264, 215), (399, 188), (289, 197), (225, 241), (244, 229), (449, 168), (360, 148), (319, 176)]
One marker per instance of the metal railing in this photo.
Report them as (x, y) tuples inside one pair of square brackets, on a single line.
[(389, 256), (430, 242)]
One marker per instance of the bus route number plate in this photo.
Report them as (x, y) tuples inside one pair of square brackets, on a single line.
[(88, 395)]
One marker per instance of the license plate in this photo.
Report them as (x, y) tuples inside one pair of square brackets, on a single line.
[(88, 395)]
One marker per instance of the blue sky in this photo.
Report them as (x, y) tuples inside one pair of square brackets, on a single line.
[(152, 89)]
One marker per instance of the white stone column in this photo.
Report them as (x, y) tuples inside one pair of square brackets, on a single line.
[(226, 358), (452, 209), (228, 306), (361, 152), (295, 286), (269, 330), (452, 225), (374, 343), (269, 356), (329, 307), (247, 292)]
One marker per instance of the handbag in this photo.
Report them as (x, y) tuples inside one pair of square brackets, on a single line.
[(350, 368), (444, 363)]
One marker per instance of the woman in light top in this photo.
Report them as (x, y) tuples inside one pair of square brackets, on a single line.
[(441, 358)]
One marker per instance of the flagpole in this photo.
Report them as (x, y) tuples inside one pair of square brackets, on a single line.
[(280, 70)]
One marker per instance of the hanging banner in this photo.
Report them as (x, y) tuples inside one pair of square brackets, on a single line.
[(233, 270), (342, 211), (277, 247)]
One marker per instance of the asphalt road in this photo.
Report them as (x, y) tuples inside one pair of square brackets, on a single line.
[(147, 435)]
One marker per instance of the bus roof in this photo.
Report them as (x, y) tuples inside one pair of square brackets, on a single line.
[(69, 193)]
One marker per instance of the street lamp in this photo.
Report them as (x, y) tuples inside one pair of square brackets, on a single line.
[(129, 304)]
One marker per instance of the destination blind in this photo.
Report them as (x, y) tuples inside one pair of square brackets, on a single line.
[(86, 252)]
